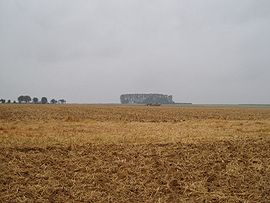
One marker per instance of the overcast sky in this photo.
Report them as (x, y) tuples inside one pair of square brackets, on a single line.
[(210, 51)]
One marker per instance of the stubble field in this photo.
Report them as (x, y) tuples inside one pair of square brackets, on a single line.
[(103, 153)]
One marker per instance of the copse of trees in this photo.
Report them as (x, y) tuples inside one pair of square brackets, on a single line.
[(3, 101), (25, 99)]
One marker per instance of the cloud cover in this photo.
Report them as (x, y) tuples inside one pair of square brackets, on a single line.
[(211, 51)]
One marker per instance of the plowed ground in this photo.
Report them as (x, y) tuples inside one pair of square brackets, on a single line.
[(91, 153)]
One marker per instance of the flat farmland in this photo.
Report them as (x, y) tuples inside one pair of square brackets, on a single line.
[(115, 153)]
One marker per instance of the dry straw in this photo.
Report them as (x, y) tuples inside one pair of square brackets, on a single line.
[(86, 153)]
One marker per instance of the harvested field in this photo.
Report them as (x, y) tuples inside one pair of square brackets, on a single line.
[(102, 153)]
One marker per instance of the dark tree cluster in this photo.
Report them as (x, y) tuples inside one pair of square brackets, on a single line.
[(44, 100), (146, 99), (25, 99), (3, 101)]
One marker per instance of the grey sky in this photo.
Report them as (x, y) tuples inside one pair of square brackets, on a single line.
[(210, 51)]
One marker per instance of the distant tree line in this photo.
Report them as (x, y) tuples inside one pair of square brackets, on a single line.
[(25, 99), (146, 99), (3, 101)]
